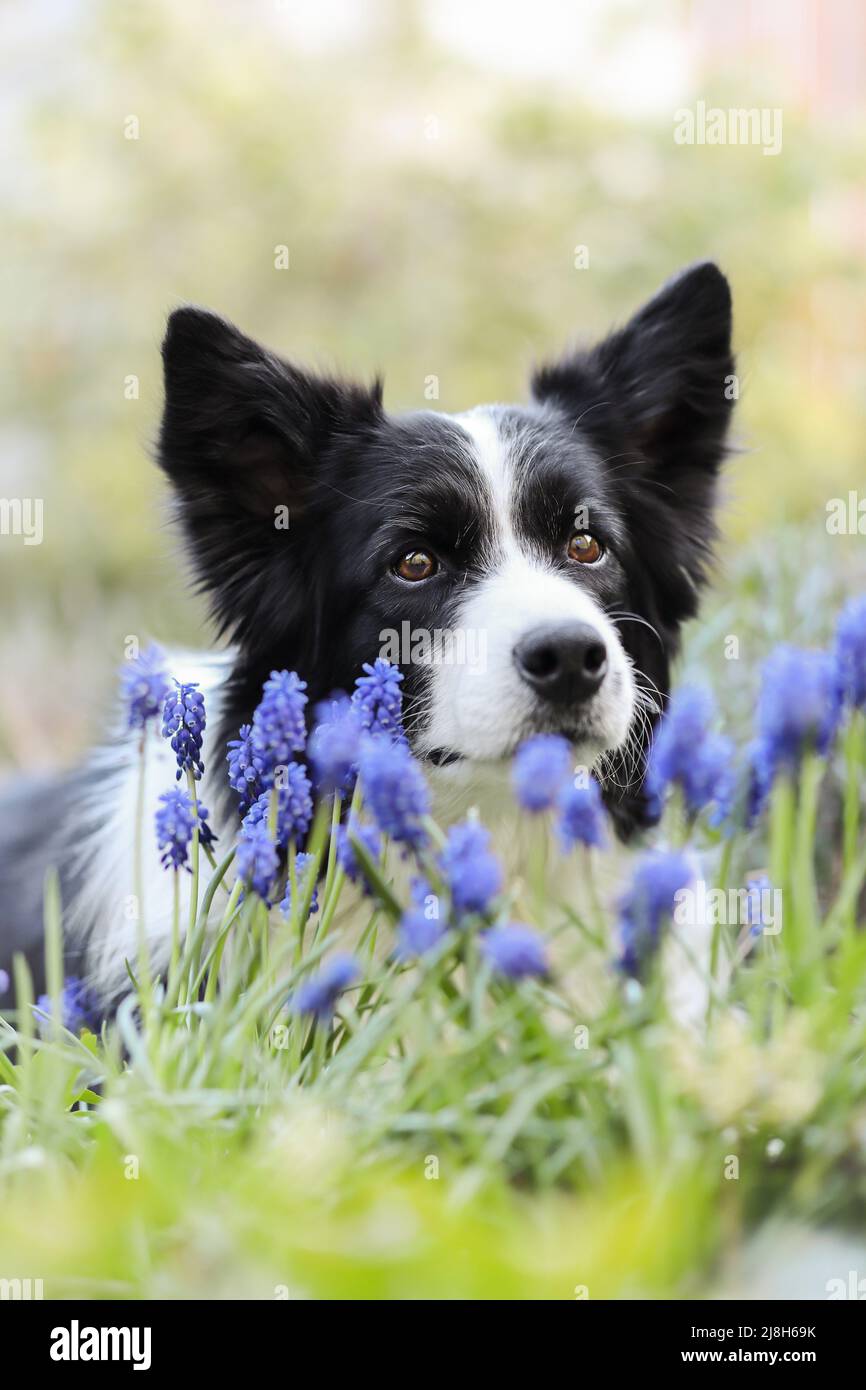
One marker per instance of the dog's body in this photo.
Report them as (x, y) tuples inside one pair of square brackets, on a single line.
[(567, 539)]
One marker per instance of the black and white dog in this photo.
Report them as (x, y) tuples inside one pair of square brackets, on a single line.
[(570, 535)]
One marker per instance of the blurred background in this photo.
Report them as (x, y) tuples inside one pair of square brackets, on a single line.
[(443, 190)]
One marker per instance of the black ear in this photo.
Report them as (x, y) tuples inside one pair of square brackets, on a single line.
[(665, 379), (242, 439)]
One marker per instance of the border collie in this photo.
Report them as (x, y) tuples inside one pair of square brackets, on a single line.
[(572, 534)]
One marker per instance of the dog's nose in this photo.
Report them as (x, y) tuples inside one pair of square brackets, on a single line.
[(564, 664)]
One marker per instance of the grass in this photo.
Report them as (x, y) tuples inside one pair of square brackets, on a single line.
[(455, 1135)]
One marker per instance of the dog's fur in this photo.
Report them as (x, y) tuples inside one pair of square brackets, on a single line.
[(632, 431)]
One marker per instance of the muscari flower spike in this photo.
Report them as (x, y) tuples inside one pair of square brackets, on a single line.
[(176, 819), (294, 806), (472, 872), (318, 995), (798, 709), (582, 818), (144, 685), (279, 727), (378, 701), (335, 745), (347, 859), (183, 722), (849, 653), (648, 903), (396, 792), (516, 951), (246, 768), (418, 934), (304, 867), (257, 860), (79, 1008), (687, 753), (540, 767)]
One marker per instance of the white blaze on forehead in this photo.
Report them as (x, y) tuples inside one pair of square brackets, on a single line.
[(490, 455)]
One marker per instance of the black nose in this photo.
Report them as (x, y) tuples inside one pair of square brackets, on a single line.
[(564, 664)]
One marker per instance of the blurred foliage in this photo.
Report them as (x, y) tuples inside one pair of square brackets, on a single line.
[(431, 211)]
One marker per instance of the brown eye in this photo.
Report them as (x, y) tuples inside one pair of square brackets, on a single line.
[(585, 549), (416, 565)]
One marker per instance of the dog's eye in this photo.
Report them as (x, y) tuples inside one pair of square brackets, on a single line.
[(585, 549), (415, 565)]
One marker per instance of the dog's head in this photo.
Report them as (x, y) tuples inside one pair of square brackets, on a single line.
[(527, 567)]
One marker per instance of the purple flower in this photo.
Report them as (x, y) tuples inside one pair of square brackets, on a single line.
[(279, 729), (246, 768), (294, 806), (144, 685), (79, 1008), (4, 981), (516, 951), (582, 818), (257, 861), (540, 767), (649, 903), (347, 859), (850, 652), (472, 872), (335, 745), (378, 701), (183, 721), (175, 824), (304, 867), (318, 995), (687, 753), (418, 934), (798, 708), (396, 791)]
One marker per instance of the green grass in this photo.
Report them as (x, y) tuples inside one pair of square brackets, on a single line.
[(453, 1136)]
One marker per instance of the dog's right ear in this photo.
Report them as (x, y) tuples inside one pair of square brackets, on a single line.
[(242, 436)]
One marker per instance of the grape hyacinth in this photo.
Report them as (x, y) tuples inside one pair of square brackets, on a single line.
[(318, 995), (516, 951), (279, 727), (304, 867), (335, 745), (798, 709), (582, 817), (756, 887), (540, 767), (144, 685), (176, 820), (649, 903), (183, 722), (347, 859), (687, 753), (378, 700), (79, 1008), (472, 872), (396, 791), (294, 806), (850, 653), (246, 768), (257, 860), (417, 934)]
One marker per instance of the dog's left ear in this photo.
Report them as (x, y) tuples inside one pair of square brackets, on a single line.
[(667, 375), (656, 399)]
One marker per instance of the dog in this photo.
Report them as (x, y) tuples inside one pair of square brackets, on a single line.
[(571, 536)]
